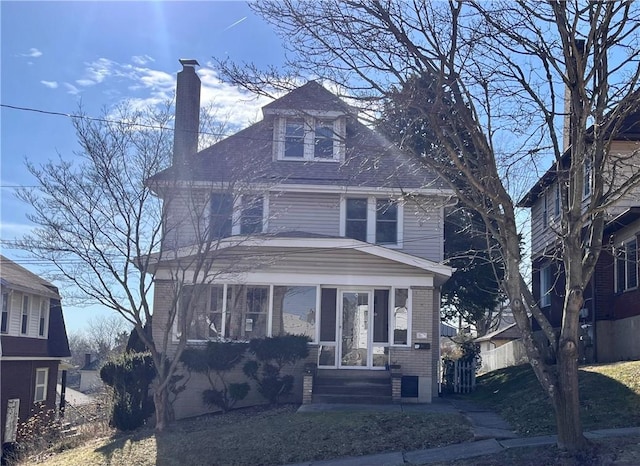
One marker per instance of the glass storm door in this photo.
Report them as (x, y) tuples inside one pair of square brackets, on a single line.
[(355, 339)]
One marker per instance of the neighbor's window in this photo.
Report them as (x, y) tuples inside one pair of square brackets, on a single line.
[(24, 323), (251, 215), (546, 285), (323, 141), (4, 327), (356, 219), (42, 374), (588, 176), (220, 215), (294, 311), (44, 313), (294, 139), (247, 311), (205, 301), (400, 316), (627, 266)]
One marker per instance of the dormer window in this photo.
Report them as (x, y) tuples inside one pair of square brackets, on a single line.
[(294, 139), (316, 138)]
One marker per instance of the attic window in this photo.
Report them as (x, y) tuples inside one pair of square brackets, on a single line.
[(294, 139), (308, 138)]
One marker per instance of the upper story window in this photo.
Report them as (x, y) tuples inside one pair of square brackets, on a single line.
[(588, 177), (24, 322), (627, 266), (356, 218), (294, 139), (377, 221), (546, 286), (4, 326), (251, 216), (220, 216), (44, 317), (309, 138)]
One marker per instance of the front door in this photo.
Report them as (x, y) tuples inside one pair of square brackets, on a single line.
[(355, 326)]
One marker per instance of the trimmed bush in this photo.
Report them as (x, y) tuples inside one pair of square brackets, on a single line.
[(215, 361), (272, 355)]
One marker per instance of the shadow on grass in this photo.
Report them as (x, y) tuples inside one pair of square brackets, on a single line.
[(124, 448), (609, 397)]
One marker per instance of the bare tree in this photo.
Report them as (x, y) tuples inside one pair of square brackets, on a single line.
[(106, 334), (491, 85), (104, 230)]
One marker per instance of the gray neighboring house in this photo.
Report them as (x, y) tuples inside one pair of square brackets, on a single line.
[(340, 233)]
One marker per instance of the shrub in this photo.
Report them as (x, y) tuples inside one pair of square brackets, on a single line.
[(130, 375), (272, 355), (215, 361)]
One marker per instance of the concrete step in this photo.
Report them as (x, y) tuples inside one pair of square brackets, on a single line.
[(352, 374), (351, 399), (361, 389)]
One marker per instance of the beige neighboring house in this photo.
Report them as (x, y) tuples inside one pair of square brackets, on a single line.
[(499, 337)]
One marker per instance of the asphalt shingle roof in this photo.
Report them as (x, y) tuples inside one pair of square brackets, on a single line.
[(370, 159)]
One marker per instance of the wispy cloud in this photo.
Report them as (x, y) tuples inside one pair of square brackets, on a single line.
[(32, 53), (85, 82), (142, 59), (50, 84), (71, 89)]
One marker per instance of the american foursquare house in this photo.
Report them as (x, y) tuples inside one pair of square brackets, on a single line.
[(339, 233)]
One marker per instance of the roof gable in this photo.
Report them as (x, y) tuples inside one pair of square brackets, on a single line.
[(310, 97), (17, 277), (370, 159)]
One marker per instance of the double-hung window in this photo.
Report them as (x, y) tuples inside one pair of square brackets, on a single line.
[(356, 218), (323, 141), (308, 138), (294, 134), (220, 215), (546, 285), (4, 327), (24, 321), (205, 303), (40, 391), (44, 314), (251, 219), (627, 266), (373, 220)]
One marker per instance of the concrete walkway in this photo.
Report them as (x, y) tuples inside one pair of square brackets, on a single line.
[(491, 434)]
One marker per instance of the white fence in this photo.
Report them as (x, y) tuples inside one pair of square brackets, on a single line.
[(509, 354)]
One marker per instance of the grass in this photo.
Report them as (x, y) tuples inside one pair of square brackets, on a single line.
[(610, 397), (271, 436)]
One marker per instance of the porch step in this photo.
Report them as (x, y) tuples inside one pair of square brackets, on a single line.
[(352, 386)]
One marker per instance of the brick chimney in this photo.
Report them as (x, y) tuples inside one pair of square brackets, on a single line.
[(187, 121)]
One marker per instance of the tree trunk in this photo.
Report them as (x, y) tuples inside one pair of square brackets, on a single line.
[(566, 401), (161, 401)]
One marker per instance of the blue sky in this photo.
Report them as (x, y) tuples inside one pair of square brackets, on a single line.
[(56, 55)]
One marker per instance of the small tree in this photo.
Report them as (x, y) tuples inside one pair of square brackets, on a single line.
[(272, 355), (215, 361)]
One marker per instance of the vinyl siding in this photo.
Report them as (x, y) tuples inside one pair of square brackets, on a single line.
[(423, 232), (308, 212)]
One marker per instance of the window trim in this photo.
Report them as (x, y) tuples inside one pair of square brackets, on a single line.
[(309, 138), (25, 314), (43, 385), (546, 286), (43, 318), (372, 219), (6, 297)]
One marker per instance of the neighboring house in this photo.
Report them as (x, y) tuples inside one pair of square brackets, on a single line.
[(610, 319), (499, 337), (90, 374), (33, 343), (340, 234)]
